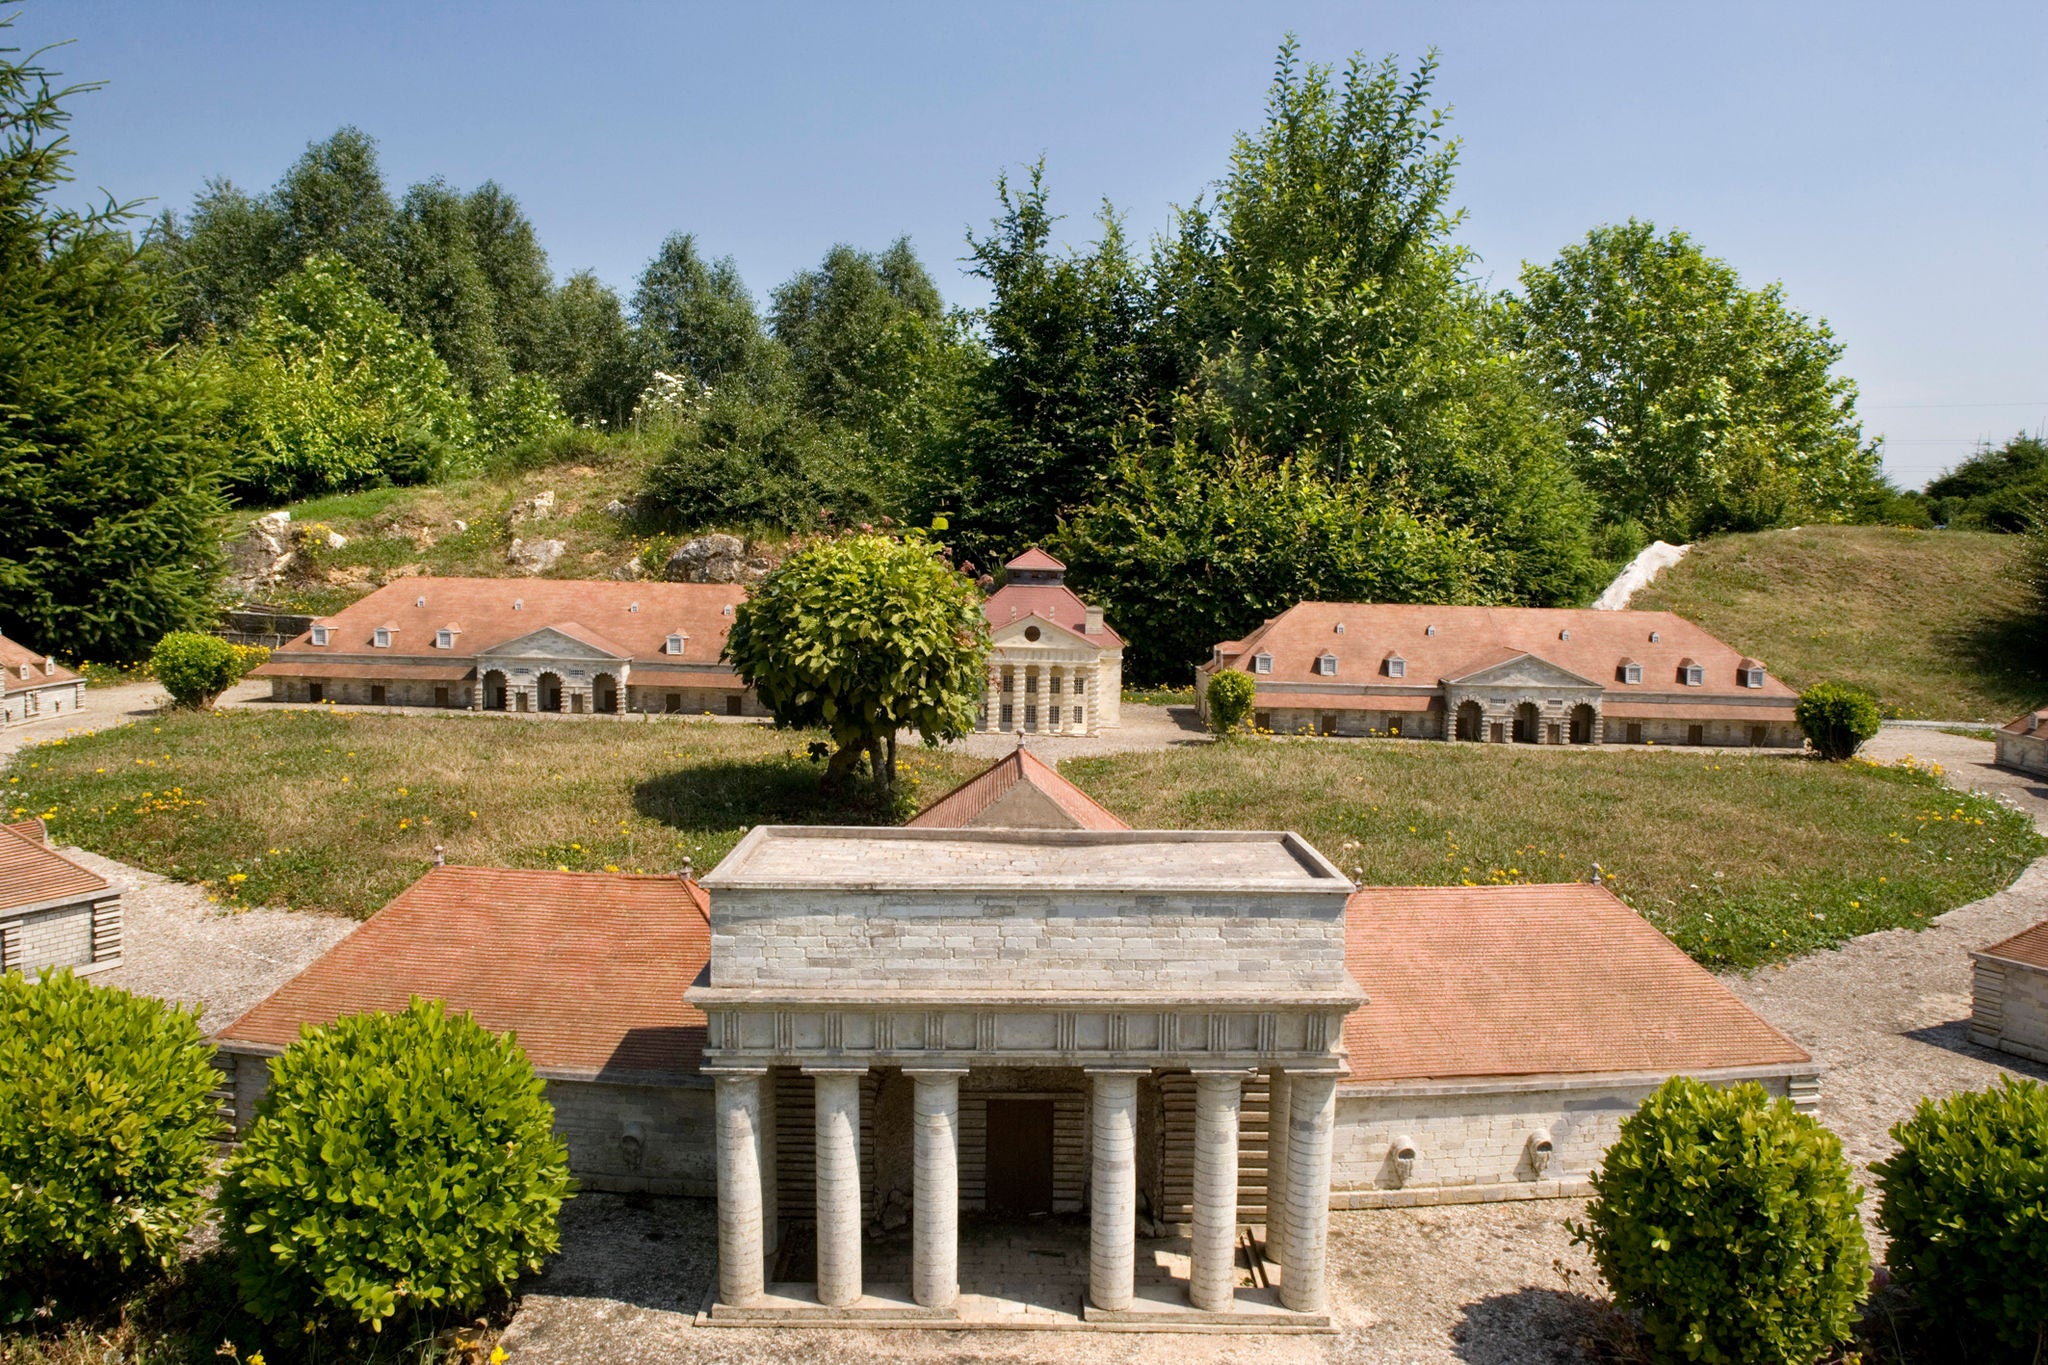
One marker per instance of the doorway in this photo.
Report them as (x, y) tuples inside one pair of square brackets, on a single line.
[(1526, 720), (1019, 1156), (550, 692)]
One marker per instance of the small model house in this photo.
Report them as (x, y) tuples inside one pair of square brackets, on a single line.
[(2009, 995), (34, 685), (1056, 668), (2023, 743), (53, 912)]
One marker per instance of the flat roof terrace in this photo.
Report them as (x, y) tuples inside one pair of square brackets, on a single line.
[(1163, 862)]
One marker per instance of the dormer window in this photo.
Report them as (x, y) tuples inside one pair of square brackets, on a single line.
[(1340, 627), (1429, 630), (1655, 636), (1262, 663), (319, 635), (1327, 665), (519, 604), (674, 644), (728, 609), (632, 606), (1691, 674), (444, 638), (1564, 635), (1397, 667), (419, 601), (1751, 673), (1631, 671), (25, 672), (380, 638)]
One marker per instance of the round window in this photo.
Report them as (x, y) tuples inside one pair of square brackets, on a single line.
[(1031, 632)]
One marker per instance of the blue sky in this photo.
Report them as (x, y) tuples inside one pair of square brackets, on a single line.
[(1884, 160)]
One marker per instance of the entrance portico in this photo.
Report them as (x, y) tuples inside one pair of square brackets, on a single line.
[(943, 955)]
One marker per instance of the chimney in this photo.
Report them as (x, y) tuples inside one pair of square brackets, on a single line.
[(684, 874), (49, 663), (1093, 626), (440, 858)]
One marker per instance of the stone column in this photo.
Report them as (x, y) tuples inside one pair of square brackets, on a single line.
[(1212, 1274), (771, 1195), (993, 699), (838, 1134), (741, 1272), (1038, 695), (1113, 1190), (935, 1201), (1312, 1118), (1277, 1085)]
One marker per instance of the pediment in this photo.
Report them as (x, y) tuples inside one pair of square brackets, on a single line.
[(548, 643), (1051, 634), (1523, 670)]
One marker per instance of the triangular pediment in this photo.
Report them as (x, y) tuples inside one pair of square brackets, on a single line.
[(1522, 670), (548, 643), (1050, 633)]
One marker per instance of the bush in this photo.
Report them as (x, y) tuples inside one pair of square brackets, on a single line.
[(1965, 1203), (107, 1120), (1230, 698), (195, 669), (1837, 718), (1727, 1222), (397, 1161)]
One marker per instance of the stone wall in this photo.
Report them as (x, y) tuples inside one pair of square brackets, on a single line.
[(60, 937), (356, 692), (1476, 1142), (1354, 724), (693, 701), (2024, 753), (2009, 1008), (1725, 734)]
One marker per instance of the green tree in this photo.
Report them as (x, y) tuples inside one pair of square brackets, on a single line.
[(215, 264), (330, 392), (333, 203), (522, 285), (864, 636), (595, 360), (1691, 403), (698, 319), (109, 466), (1997, 489), (442, 291)]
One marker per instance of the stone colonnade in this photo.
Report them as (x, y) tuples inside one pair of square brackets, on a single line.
[(578, 695), (1298, 1213), (1030, 692)]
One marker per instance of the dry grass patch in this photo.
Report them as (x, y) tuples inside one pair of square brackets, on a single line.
[(1740, 859), (328, 810), (1933, 622)]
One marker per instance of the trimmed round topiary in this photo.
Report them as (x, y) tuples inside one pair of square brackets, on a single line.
[(107, 1124), (1230, 698), (1726, 1221), (1837, 718), (1965, 1203), (397, 1162), (195, 669)]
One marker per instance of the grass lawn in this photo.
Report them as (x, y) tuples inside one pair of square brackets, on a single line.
[(1933, 622), (322, 809), (1741, 860)]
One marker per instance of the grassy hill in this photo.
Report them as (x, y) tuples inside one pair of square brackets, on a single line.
[(1931, 621)]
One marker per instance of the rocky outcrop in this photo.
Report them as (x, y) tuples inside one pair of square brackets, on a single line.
[(261, 555), (534, 556), (539, 507), (1640, 573), (618, 511), (715, 558)]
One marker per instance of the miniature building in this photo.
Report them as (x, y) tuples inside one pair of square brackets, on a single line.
[(33, 685), (587, 969), (1055, 668), (2009, 995), (503, 644), (53, 911), (2023, 743), (1531, 675), (1019, 791)]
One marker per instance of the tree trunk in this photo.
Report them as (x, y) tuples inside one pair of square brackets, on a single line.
[(839, 769)]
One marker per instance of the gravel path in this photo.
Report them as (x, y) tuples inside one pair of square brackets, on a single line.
[(178, 946), (1143, 728), (104, 707)]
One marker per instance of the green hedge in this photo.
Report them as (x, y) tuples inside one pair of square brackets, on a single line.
[(1837, 718), (107, 1122), (1726, 1221), (1965, 1203), (1231, 697), (398, 1162)]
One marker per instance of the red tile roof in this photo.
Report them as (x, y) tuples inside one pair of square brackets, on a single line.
[(1468, 639), (42, 670), (587, 968), (1535, 980), (1034, 558), (1053, 602), (33, 873), (2033, 722), (1355, 701), (2029, 946), (396, 668), (598, 612), (958, 808)]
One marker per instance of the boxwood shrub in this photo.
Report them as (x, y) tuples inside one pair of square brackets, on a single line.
[(1726, 1222), (1231, 697), (1836, 718), (107, 1122), (397, 1162), (1965, 1203)]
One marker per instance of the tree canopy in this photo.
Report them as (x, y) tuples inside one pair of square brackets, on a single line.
[(2000, 488)]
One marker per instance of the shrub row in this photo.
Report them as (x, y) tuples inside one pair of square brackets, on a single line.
[(1726, 1225), (397, 1162)]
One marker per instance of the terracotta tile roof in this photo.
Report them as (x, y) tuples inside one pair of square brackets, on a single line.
[(1351, 701), (958, 808), (2029, 946), (1053, 602), (1774, 708), (397, 668), (33, 873), (2033, 722), (588, 968), (596, 611), (42, 670), (1035, 558), (1534, 980), (648, 675), (1468, 639)]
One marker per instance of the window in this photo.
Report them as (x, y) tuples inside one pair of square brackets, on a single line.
[(1327, 665), (1032, 633), (732, 705), (1340, 627), (1635, 732), (1696, 734), (674, 644), (376, 694), (1053, 685), (381, 638), (1009, 682), (1394, 726), (314, 692), (1030, 716), (1262, 663), (1759, 736), (673, 703), (1263, 720), (319, 635), (1695, 676), (1631, 673), (1009, 713), (440, 696), (1753, 675), (1328, 721), (1078, 682), (444, 639), (1397, 667)]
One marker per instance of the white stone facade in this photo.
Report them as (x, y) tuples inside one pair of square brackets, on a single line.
[(2023, 746), (2009, 1006)]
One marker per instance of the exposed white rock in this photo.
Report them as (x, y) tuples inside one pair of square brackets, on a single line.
[(259, 557), (715, 558), (1640, 573), (534, 556)]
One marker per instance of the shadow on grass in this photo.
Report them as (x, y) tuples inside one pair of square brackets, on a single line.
[(1532, 1325), (2009, 652), (712, 797)]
